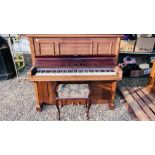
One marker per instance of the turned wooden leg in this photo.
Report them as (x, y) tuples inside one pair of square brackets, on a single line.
[(57, 105), (88, 103), (38, 104)]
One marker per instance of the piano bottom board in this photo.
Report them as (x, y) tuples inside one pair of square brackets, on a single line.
[(80, 102), (102, 92)]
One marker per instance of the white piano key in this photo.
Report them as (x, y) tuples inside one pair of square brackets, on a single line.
[(78, 72)]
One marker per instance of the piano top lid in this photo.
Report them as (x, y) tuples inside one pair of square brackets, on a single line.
[(76, 35)]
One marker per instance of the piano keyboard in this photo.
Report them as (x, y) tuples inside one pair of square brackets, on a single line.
[(72, 72)]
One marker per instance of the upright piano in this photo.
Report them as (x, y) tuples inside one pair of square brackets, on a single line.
[(74, 58)]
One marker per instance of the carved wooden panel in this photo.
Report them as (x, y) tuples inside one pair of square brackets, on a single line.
[(74, 46), (104, 46), (44, 47)]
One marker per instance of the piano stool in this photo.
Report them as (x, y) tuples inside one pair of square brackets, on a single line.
[(73, 92)]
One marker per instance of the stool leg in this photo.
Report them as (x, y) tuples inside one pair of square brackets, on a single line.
[(57, 105), (88, 102)]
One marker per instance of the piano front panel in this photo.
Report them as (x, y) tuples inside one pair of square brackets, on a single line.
[(43, 91), (75, 46), (101, 92), (46, 92)]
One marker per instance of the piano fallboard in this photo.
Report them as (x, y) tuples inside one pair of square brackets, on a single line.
[(74, 61)]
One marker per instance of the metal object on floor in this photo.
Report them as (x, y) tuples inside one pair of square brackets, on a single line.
[(7, 68)]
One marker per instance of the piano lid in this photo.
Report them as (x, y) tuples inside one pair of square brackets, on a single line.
[(75, 35)]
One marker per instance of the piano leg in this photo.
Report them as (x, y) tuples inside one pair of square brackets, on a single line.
[(38, 104), (113, 90)]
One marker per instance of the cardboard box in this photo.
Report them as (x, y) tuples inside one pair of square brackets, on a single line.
[(144, 44), (127, 45), (140, 72)]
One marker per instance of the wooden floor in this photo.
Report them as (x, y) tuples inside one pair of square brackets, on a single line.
[(141, 102)]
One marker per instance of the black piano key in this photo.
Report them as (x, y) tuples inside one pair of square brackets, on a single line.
[(111, 70), (102, 71)]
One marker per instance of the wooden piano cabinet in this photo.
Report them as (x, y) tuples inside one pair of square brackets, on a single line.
[(46, 48)]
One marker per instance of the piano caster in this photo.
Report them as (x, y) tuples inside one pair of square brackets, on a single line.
[(111, 106), (39, 107)]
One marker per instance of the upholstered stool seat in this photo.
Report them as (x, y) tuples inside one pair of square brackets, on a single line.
[(73, 91), (65, 92)]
